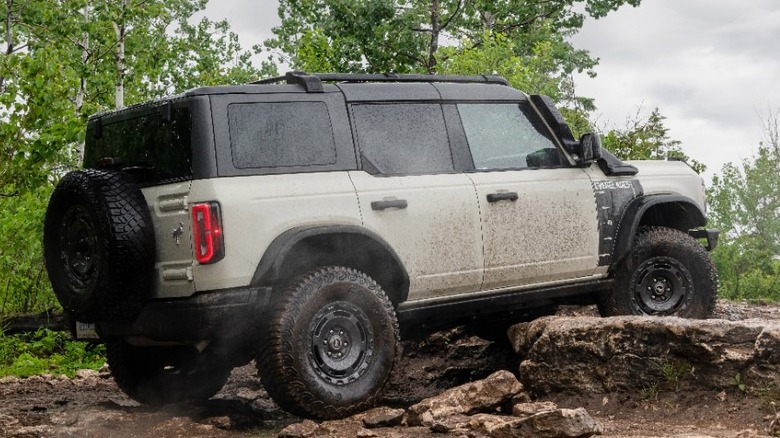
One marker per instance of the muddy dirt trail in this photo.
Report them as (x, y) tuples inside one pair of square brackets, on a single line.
[(91, 405)]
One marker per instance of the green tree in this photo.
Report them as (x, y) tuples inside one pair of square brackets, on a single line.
[(407, 35), (647, 138), (525, 41), (60, 62), (745, 205)]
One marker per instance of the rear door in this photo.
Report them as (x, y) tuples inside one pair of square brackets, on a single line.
[(411, 195), (539, 220)]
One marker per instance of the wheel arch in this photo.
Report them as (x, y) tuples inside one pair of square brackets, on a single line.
[(300, 249), (667, 210)]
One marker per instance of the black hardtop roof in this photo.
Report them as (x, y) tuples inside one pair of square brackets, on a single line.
[(312, 83), (357, 87)]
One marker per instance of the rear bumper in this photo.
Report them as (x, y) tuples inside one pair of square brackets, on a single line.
[(710, 235), (205, 316)]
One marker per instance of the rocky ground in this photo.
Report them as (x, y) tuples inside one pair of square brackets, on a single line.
[(578, 375)]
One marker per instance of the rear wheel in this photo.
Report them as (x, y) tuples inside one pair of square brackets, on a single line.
[(667, 272), (329, 344), (162, 375)]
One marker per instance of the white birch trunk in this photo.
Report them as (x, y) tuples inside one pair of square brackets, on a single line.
[(121, 68), (80, 95)]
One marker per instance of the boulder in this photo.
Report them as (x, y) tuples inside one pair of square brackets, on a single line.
[(468, 410), (383, 417), (555, 423), (591, 354), (481, 396), (304, 429)]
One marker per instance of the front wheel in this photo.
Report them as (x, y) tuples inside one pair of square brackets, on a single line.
[(329, 344), (667, 273)]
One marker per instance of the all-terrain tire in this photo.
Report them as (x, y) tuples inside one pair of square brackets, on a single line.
[(666, 273), (98, 245), (158, 376), (329, 344)]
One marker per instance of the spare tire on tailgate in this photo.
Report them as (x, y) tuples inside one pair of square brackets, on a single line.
[(98, 244)]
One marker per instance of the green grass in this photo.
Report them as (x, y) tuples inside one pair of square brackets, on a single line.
[(47, 352)]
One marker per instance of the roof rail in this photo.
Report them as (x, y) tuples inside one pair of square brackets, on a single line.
[(312, 83)]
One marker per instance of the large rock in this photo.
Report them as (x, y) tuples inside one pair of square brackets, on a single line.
[(590, 354), (481, 396), (547, 423), (467, 410)]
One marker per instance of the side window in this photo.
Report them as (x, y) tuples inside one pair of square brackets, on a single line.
[(507, 136), (399, 139), (280, 134), (146, 142)]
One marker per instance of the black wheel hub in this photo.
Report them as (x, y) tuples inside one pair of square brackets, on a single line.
[(79, 250), (662, 286), (341, 343)]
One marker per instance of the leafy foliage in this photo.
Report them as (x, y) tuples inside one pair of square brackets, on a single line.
[(24, 286), (47, 352), (60, 62), (647, 138), (526, 42), (745, 205)]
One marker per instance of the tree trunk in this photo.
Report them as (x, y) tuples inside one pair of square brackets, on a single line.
[(121, 69), (80, 95), (435, 30), (9, 36)]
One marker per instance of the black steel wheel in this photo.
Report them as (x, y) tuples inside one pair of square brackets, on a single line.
[(661, 286), (329, 344), (158, 376), (341, 342), (98, 245), (667, 273), (80, 251)]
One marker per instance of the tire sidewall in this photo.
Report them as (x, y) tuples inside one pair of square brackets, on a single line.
[(74, 192), (158, 376), (360, 291), (117, 210), (286, 358), (659, 243)]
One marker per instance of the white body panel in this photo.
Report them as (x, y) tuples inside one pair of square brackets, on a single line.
[(672, 177), (173, 239), (437, 236), (257, 209), (548, 234)]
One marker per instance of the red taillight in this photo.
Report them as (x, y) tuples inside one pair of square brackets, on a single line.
[(207, 232)]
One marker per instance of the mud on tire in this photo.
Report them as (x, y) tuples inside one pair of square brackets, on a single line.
[(329, 344), (158, 376), (667, 272), (99, 245)]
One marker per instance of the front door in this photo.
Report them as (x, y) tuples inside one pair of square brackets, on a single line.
[(539, 219)]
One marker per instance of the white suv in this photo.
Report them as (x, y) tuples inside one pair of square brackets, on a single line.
[(303, 224)]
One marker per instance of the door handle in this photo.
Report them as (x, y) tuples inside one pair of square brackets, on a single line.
[(502, 196), (390, 203)]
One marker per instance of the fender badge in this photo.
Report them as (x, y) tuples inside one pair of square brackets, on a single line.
[(177, 233)]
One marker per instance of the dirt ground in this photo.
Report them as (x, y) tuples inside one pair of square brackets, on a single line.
[(91, 405)]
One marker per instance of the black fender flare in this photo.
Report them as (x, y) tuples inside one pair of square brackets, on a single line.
[(271, 268), (692, 216)]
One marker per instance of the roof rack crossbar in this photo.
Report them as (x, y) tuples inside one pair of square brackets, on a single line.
[(313, 82)]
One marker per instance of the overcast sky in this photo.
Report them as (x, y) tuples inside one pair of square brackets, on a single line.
[(712, 67)]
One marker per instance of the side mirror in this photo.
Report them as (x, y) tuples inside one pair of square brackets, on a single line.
[(588, 149)]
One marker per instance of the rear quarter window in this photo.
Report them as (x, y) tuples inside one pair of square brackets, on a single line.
[(153, 149), (280, 134)]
